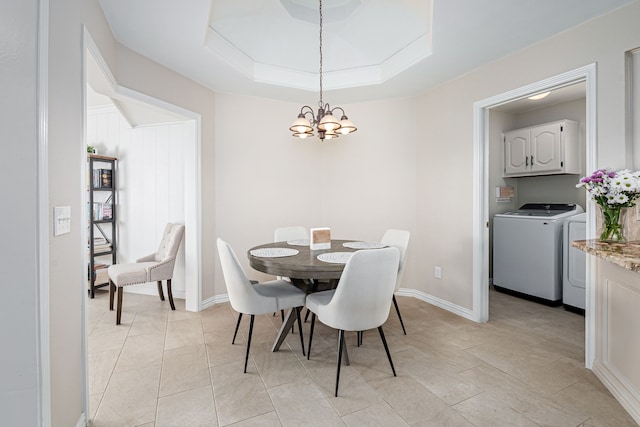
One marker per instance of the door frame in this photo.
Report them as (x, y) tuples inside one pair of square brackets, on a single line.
[(481, 191)]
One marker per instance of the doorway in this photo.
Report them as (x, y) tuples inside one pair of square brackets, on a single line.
[(145, 109), (139, 111), (482, 190)]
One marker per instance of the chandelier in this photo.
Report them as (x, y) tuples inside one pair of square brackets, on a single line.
[(325, 123)]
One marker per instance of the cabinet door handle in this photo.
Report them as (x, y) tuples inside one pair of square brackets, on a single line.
[(532, 160), (526, 160)]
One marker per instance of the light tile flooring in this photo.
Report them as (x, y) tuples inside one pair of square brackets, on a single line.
[(522, 368)]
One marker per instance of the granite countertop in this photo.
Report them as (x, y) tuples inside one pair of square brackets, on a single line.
[(626, 255)]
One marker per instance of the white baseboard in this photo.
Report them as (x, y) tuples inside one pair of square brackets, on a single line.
[(620, 388), (445, 305), (216, 299), (82, 421)]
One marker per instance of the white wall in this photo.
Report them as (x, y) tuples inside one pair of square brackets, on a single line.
[(19, 268), (67, 272), (150, 181), (358, 185)]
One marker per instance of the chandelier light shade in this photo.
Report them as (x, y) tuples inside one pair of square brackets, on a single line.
[(323, 123)]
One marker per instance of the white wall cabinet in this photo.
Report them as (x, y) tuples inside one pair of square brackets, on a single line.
[(546, 149)]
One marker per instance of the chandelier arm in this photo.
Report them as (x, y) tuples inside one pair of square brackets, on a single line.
[(309, 110), (336, 108)]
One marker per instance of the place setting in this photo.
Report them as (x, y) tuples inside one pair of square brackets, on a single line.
[(273, 252)]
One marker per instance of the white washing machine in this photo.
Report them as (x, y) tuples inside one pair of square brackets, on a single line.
[(527, 250), (574, 264)]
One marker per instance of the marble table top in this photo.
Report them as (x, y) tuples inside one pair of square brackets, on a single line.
[(625, 255)]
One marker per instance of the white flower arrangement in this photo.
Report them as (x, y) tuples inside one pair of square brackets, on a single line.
[(611, 188)]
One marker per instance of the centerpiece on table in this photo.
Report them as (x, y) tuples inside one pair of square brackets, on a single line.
[(615, 192)]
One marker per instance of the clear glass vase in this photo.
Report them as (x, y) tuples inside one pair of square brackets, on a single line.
[(613, 224)]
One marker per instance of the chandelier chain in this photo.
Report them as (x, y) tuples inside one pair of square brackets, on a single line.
[(320, 104), (321, 121)]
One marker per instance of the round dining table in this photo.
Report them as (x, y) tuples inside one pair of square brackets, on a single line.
[(304, 269), (304, 265)]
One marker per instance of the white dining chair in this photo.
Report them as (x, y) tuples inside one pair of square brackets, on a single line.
[(283, 234), (261, 298), (398, 239), (361, 301)]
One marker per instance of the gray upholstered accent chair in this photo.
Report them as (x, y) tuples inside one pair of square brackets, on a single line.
[(362, 299), (155, 267), (248, 298)]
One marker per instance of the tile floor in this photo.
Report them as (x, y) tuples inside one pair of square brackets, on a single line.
[(522, 368)]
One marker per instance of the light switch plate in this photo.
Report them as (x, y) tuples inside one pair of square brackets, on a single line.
[(61, 220)]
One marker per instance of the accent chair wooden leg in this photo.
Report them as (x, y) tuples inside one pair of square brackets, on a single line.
[(119, 309), (173, 306), (246, 357), (237, 326), (112, 289), (160, 293), (395, 303)]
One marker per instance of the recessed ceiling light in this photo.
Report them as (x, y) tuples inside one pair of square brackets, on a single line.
[(539, 96)]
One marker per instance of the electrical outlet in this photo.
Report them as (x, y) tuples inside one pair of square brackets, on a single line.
[(438, 272)]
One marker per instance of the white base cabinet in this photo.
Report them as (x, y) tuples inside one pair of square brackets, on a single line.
[(617, 349), (546, 149)]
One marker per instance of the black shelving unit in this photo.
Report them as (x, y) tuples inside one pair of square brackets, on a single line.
[(101, 185)]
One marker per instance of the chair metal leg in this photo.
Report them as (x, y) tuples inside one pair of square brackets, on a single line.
[(119, 308), (314, 287), (359, 337), (340, 346), (395, 303), (300, 327), (246, 357), (160, 293), (112, 290), (173, 306), (345, 352), (237, 326), (313, 324), (386, 348)]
